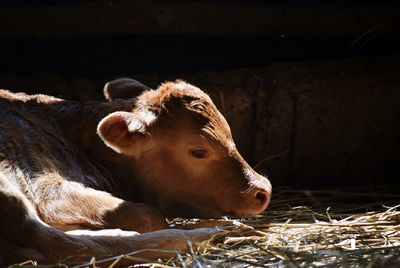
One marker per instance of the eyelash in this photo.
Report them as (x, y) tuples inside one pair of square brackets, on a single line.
[(198, 153)]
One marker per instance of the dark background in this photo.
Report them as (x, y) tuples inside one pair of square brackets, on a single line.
[(310, 88)]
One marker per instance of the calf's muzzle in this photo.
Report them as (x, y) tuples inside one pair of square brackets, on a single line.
[(257, 197)]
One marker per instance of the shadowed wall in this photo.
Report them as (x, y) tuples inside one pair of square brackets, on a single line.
[(311, 91)]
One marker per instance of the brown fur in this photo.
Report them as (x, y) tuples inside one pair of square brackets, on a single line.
[(67, 166)]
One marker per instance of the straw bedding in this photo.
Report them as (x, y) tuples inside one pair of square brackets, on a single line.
[(302, 228)]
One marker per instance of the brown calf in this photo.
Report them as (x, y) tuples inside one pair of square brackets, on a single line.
[(73, 174)]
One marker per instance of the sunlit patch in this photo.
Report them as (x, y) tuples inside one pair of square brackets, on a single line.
[(147, 116), (231, 146), (261, 182)]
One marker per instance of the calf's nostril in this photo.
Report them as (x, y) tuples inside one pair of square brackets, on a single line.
[(262, 197)]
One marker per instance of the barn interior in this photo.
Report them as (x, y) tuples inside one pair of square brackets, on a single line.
[(311, 90)]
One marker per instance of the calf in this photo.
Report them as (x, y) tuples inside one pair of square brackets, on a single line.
[(80, 179)]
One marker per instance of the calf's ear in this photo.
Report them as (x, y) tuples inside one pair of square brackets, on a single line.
[(123, 88), (126, 132)]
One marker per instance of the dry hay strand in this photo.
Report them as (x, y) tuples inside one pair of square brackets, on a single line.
[(331, 228), (325, 229)]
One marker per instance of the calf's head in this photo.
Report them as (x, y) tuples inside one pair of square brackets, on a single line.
[(183, 154)]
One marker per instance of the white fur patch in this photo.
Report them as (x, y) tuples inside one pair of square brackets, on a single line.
[(104, 232)]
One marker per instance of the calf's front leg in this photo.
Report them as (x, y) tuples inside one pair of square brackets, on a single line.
[(68, 205), (23, 236)]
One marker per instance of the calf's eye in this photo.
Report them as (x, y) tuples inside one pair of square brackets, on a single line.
[(198, 153)]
